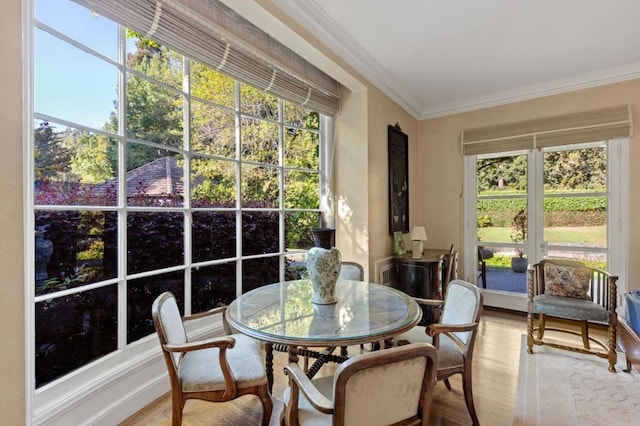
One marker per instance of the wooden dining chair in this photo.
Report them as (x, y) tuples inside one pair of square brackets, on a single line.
[(454, 335), (394, 386), (218, 369)]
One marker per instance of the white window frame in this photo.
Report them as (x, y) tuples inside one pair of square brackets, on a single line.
[(617, 217), (134, 374)]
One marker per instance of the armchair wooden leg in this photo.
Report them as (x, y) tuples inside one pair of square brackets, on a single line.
[(468, 394), (584, 328), (541, 325), (530, 332), (613, 355), (267, 405), (447, 384)]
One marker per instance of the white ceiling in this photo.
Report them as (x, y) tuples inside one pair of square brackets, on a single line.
[(438, 57)]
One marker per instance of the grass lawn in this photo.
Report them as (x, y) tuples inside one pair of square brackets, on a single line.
[(591, 235)]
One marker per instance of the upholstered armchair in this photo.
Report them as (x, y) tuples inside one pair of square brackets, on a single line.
[(570, 291), (218, 369), (393, 386), (454, 335)]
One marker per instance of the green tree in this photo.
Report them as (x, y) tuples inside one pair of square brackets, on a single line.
[(51, 156)]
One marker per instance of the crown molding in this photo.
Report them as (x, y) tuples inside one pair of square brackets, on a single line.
[(555, 87), (313, 18)]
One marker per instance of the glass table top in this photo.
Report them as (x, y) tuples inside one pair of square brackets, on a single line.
[(283, 313)]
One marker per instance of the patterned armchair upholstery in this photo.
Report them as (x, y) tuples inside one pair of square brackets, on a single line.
[(393, 386), (575, 293)]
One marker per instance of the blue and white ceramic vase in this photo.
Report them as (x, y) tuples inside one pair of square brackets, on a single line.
[(323, 266)]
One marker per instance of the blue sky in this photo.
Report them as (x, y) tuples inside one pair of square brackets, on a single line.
[(70, 83)]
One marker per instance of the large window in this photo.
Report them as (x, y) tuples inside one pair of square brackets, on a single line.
[(153, 172)]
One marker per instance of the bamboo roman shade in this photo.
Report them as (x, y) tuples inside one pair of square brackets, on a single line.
[(215, 35), (588, 126)]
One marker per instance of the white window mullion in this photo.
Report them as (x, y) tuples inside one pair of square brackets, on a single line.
[(122, 189), (186, 181), (238, 192), (282, 210)]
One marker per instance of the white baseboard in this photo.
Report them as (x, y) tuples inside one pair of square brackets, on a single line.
[(119, 392)]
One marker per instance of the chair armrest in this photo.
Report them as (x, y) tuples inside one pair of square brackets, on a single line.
[(299, 380), (435, 329), (226, 342), (214, 311), (429, 302)]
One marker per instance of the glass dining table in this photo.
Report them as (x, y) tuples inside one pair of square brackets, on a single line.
[(283, 314)]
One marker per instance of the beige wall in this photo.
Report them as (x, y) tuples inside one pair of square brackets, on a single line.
[(439, 150), (12, 391), (383, 112)]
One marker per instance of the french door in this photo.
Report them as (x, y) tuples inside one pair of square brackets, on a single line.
[(523, 206)]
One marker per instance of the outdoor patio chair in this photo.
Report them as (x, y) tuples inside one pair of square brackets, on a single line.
[(570, 291), (394, 386), (218, 370), (482, 267)]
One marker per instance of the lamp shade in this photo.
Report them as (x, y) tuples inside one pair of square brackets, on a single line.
[(418, 233)]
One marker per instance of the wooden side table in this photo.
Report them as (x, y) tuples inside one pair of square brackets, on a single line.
[(421, 277)]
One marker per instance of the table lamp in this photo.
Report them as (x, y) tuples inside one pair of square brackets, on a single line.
[(418, 235)]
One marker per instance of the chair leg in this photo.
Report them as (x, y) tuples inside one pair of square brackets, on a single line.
[(613, 356), (468, 394), (530, 332), (267, 405), (447, 384), (177, 405), (584, 329), (541, 324)]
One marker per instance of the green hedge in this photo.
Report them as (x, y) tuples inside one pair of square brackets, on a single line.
[(561, 211), (580, 204)]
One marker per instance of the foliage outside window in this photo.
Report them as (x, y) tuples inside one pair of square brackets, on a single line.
[(152, 194)]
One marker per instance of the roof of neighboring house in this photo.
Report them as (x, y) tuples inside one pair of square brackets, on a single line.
[(159, 178)]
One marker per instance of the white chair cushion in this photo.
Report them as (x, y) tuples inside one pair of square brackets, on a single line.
[(200, 370), (449, 355)]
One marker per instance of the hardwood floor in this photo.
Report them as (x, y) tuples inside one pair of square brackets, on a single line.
[(495, 374)]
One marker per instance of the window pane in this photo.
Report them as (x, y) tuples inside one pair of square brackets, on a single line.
[(155, 61), (62, 86), (74, 248), (211, 85), (158, 181), (299, 116), (73, 167), (260, 141), (260, 233), (212, 286), (154, 113), (298, 227), (301, 190), (258, 104), (504, 175), (578, 170), (574, 221), (80, 24), (74, 330), (213, 130), (260, 186), (214, 235), (155, 240), (140, 296), (301, 148), (213, 183), (259, 272)]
